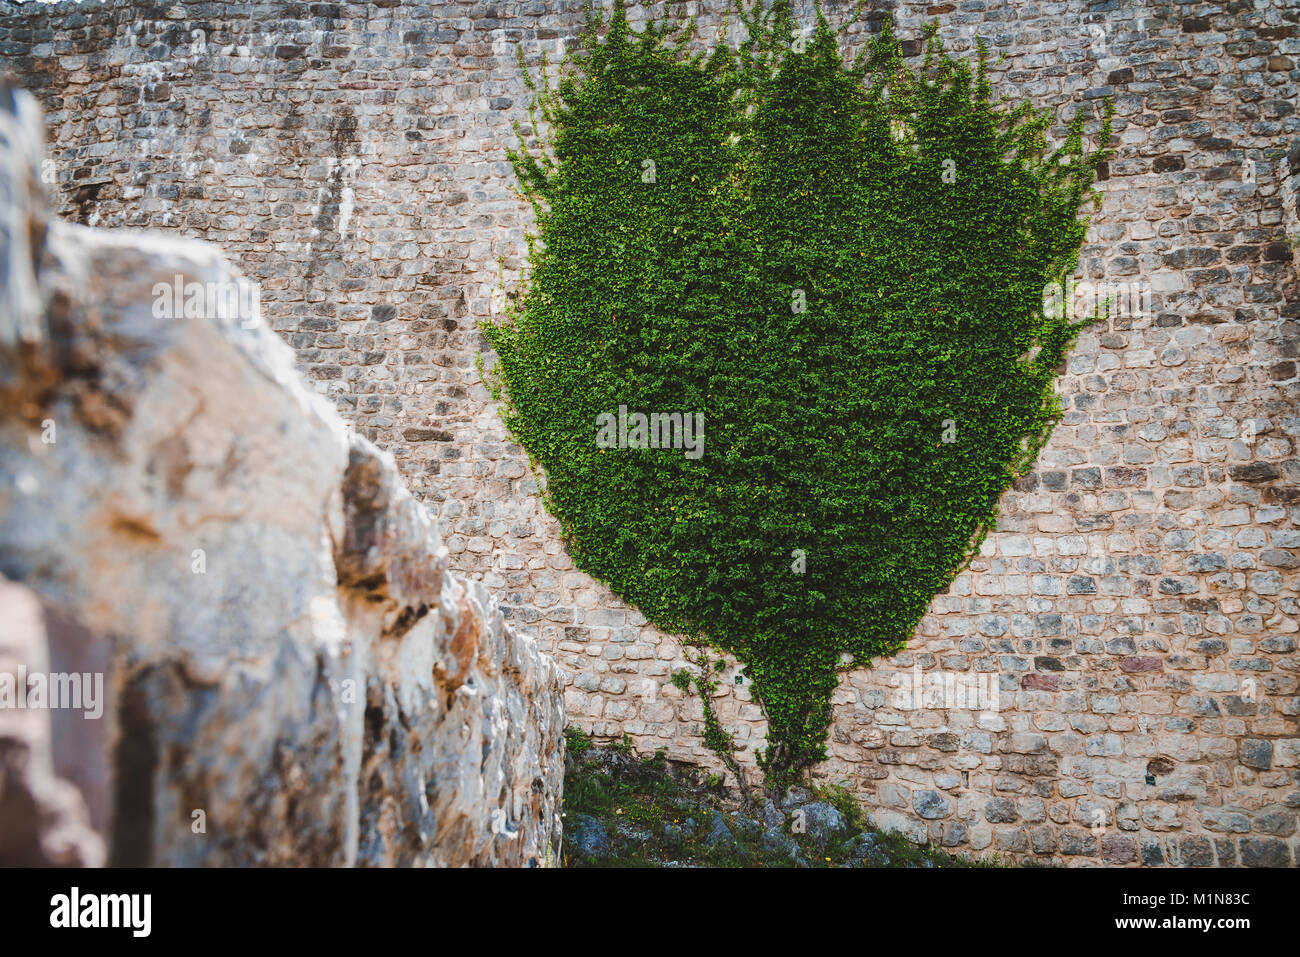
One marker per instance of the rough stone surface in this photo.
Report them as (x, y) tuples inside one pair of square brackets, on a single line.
[(820, 821), (1136, 605), (44, 821), (782, 847), (589, 835), (292, 675), (866, 846), (718, 834)]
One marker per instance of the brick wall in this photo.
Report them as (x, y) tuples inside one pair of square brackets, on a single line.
[(1136, 608)]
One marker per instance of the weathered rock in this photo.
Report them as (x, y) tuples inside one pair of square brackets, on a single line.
[(588, 836), (294, 677), (718, 833), (865, 850), (820, 821), (931, 804), (44, 821), (1000, 810), (795, 797), (783, 847), (770, 813)]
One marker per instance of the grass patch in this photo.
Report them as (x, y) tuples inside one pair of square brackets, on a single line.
[(625, 811)]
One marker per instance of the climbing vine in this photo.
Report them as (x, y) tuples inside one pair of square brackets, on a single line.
[(824, 279), (703, 681)]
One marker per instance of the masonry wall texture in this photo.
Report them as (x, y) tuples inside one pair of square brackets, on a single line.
[(1137, 604)]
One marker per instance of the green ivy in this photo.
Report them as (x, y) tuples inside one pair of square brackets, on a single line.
[(855, 451)]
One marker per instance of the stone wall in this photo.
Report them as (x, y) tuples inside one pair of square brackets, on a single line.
[(1290, 190), (283, 669), (1137, 603)]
